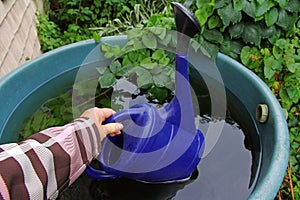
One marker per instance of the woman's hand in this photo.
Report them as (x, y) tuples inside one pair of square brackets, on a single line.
[(98, 115)]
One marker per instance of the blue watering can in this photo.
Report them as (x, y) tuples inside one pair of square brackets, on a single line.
[(157, 145)]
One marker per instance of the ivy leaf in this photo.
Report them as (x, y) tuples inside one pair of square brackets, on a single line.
[(271, 17), (238, 5), (149, 41), (107, 79)]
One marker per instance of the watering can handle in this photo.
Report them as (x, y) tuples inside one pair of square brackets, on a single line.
[(139, 115)]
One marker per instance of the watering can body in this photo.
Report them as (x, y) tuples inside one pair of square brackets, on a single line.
[(157, 145), (168, 154)]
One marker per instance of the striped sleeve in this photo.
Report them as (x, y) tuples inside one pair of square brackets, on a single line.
[(48, 161)]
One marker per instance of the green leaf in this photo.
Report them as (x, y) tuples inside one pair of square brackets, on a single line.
[(213, 36), (105, 47), (204, 11), (271, 65), (236, 30), (163, 34), (97, 37), (148, 63), (116, 50), (161, 79), (166, 40), (115, 67), (159, 93), (144, 79), (277, 52), (282, 3), (251, 57), (101, 70), (286, 20), (282, 44), (271, 17), (158, 54), (134, 33), (292, 67), (108, 55), (260, 9), (214, 22), (239, 5), (228, 14), (249, 9), (209, 49), (251, 34), (164, 61), (149, 41), (107, 79), (293, 6), (292, 93), (267, 32)]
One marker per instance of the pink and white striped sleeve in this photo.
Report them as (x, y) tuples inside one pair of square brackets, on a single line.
[(47, 162)]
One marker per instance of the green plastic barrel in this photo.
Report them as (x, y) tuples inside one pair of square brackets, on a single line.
[(25, 89)]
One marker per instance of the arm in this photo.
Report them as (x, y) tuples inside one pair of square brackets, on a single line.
[(47, 162)]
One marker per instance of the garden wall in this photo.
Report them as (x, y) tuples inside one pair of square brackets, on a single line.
[(18, 35)]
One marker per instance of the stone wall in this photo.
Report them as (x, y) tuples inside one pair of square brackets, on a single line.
[(18, 34)]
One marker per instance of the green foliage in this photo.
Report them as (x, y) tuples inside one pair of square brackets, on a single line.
[(142, 58), (67, 22), (262, 34)]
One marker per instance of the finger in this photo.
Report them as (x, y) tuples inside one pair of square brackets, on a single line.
[(112, 128), (105, 113)]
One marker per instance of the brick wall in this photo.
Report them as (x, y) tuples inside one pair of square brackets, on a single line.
[(18, 34)]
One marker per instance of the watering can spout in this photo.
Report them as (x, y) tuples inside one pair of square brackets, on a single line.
[(187, 26)]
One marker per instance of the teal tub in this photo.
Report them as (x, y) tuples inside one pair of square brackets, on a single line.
[(25, 89)]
